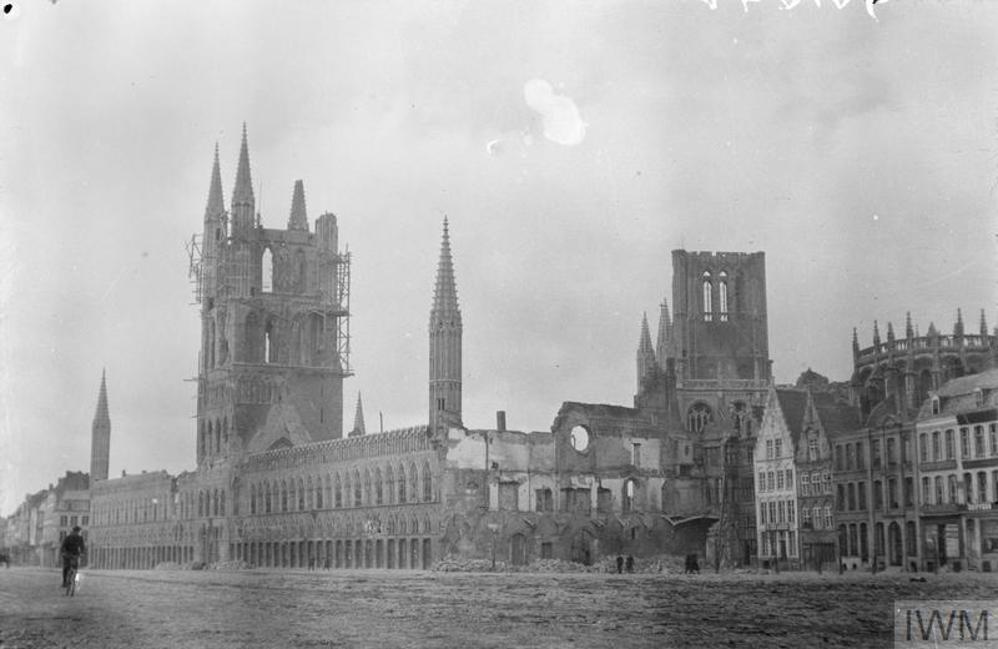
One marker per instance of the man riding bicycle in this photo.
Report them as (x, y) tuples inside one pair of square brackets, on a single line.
[(72, 547)]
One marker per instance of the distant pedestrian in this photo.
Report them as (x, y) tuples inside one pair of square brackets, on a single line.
[(620, 564), (630, 563)]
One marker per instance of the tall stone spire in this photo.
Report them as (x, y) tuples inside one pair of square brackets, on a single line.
[(958, 325), (908, 331), (664, 334), (890, 332), (358, 420), (215, 207), (100, 440), (876, 334), (243, 201), (445, 344), (646, 353), (855, 343), (299, 218)]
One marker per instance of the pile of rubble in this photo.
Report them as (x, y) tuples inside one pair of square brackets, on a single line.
[(663, 563), (228, 566), (453, 564)]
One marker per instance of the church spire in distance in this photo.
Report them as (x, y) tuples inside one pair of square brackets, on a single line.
[(100, 440), (299, 217), (445, 344), (445, 291)]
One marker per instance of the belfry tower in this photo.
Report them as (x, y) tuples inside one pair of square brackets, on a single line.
[(445, 345), (100, 439), (275, 307)]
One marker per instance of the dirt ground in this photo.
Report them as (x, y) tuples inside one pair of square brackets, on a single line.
[(383, 609)]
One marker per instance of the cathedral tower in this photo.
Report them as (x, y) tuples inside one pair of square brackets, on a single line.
[(100, 439), (275, 325), (720, 329), (445, 344)]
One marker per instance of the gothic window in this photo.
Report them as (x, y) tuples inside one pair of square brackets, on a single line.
[(301, 495), (379, 488), (367, 487), (225, 431), (708, 298), (252, 499), (401, 484), (698, 416), (267, 269), (218, 437), (389, 486), (337, 492), (722, 295), (413, 483), (427, 483), (269, 343), (318, 493), (978, 441), (812, 450), (357, 489), (739, 417), (284, 496)]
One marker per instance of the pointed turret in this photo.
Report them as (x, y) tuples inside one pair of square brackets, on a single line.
[(958, 325), (890, 333), (908, 331), (933, 333), (984, 328), (876, 334), (855, 343), (358, 420), (299, 218), (664, 334), (243, 202), (215, 207), (646, 353), (100, 440), (445, 344)]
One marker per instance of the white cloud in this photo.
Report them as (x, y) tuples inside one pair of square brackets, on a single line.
[(562, 122)]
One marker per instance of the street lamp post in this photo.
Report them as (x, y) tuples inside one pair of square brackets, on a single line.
[(494, 527)]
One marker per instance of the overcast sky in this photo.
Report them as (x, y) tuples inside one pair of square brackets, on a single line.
[(571, 145)]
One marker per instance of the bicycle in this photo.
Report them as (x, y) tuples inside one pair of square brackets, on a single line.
[(72, 578)]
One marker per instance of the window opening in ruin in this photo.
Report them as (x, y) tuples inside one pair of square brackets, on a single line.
[(267, 268), (579, 438), (722, 294), (698, 416), (708, 298)]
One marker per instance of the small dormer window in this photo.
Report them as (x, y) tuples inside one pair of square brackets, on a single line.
[(935, 405), (979, 398)]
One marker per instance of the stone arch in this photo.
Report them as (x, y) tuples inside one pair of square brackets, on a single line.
[(251, 350)]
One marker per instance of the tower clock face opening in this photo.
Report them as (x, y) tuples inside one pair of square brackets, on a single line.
[(579, 438)]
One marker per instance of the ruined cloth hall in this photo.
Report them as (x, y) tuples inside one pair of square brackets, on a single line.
[(279, 483)]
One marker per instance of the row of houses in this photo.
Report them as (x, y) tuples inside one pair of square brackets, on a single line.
[(33, 533), (912, 489)]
